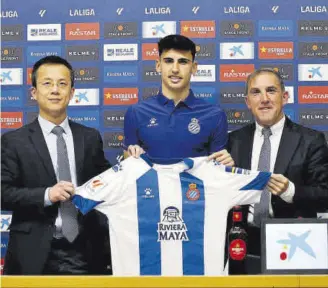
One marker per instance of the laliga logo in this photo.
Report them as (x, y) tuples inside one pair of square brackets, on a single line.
[(195, 9), (119, 11)]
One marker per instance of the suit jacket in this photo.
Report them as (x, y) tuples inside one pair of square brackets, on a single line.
[(26, 172), (302, 158)]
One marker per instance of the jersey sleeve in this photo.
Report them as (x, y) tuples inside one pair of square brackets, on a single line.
[(99, 192), (243, 186)]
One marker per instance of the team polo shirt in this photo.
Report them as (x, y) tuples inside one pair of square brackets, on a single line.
[(169, 133), (169, 220)]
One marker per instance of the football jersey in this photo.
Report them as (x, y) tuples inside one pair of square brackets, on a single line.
[(169, 219)]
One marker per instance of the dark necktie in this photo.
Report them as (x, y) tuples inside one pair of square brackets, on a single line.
[(261, 210), (70, 227)]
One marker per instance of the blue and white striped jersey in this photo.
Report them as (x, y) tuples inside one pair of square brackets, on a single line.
[(169, 219)]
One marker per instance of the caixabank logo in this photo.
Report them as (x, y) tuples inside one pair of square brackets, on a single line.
[(158, 29), (120, 30), (113, 140), (85, 97), (313, 72), (11, 76), (234, 29), (313, 50), (11, 55), (236, 50), (313, 94), (88, 117)]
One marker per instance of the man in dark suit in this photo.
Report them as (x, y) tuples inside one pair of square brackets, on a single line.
[(298, 154), (40, 169)]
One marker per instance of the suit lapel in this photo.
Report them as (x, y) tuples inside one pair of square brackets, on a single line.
[(288, 145), (78, 139), (40, 145), (246, 147)]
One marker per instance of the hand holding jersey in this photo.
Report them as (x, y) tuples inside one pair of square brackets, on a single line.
[(164, 218)]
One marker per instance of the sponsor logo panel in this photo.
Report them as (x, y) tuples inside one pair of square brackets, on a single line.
[(11, 55), (85, 97), (238, 117), (312, 94), (286, 71), (86, 75), (309, 116), (313, 28), (11, 120), (275, 28), (30, 101), (233, 29), (5, 223), (205, 51), (35, 53), (11, 76), (290, 91), (149, 51), (121, 74), (158, 29), (276, 50), (11, 98), (290, 113), (313, 72), (114, 118), (120, 52), (232, 94), (120, 30), (82, 53), (12, 32), (149, 74), (206, 93), (113, 140), (82, 31), (313, 50), (29, 76), (149, 92), (235, 72), (43, 32), (88, 118), (120, 96), (198, 29), (237, 50), (205, 73)]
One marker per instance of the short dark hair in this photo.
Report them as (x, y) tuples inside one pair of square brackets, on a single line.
[(177, 42), (261, 71), (51, 60)]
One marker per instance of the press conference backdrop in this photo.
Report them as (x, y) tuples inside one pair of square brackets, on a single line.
[(112, 46)]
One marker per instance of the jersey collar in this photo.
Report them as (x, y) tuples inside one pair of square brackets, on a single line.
[(189, 101)]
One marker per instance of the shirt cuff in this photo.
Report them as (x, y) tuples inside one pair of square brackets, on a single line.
[(288, 195), (47, 201)]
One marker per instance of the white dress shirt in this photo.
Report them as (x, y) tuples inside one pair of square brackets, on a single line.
[(51, 141), (275, 138)]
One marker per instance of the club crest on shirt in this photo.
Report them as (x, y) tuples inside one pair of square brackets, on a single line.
[(95, 185), (172, 227), (193, 193), (152, 122), (194, 126)]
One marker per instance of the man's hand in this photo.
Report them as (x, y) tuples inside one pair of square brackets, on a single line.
[(223, 157), (135, 151), (278, 184), (62, 191)]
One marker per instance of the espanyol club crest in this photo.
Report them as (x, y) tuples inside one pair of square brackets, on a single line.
[(193, 193), (194, 126)]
